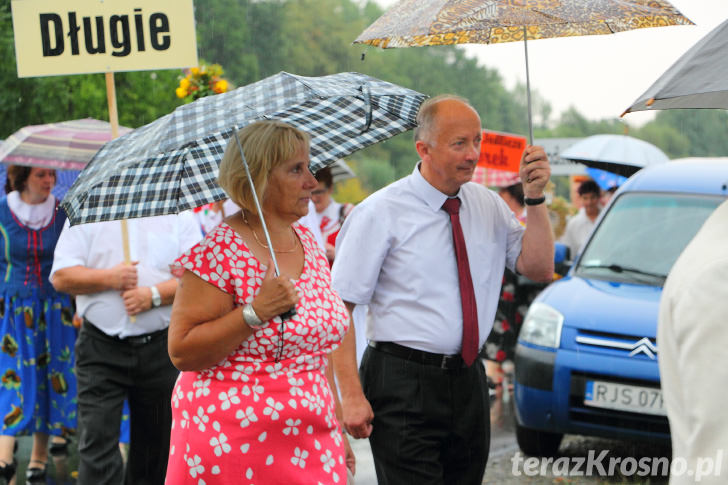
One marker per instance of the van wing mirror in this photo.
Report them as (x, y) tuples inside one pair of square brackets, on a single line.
[(562, 258)]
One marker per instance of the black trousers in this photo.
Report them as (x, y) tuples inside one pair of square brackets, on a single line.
[(431, 425), (109, 370)]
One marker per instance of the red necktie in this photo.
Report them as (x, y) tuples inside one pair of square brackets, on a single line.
[(467, 295)]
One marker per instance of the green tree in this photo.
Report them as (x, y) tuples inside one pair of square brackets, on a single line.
[(704, 129), (670, 140), (224, 36)]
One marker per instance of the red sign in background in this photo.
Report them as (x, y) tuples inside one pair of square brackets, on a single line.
[(501, 151)]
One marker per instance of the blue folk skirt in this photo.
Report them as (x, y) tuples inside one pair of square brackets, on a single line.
[(38, 380)]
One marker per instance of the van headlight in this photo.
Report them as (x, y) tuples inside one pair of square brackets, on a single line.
[(542, 326)]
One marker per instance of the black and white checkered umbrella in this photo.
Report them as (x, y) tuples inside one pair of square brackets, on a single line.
[(171, 164)]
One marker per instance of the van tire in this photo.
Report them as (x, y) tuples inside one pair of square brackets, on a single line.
[(537, 443)]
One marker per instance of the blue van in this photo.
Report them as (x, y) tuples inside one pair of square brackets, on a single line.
[(586, 358)]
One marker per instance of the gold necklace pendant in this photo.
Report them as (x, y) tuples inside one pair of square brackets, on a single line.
[(262, 244)]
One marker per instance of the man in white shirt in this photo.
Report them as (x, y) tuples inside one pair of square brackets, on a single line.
[(580, 226), (119, 358), (692, 338), (423, 405)]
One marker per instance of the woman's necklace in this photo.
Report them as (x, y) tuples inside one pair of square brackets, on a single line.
[(293, 238)]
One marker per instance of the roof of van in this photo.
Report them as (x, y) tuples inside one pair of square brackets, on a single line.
[(689, 175)]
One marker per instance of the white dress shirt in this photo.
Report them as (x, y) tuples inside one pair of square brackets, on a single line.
[(395, 253), (153, 241), (577, 231)]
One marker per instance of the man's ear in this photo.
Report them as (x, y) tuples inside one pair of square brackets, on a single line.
[(423, 149)]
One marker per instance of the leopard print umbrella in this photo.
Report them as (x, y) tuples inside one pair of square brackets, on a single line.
[(413, 23)]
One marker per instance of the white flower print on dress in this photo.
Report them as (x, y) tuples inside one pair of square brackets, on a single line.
[(201, 418), (220, 444), (328, 461), (255, 390), (274, 370), (229, 398), (246, 417), (291, 427), (272, 408), (299, 457), (309, 401), (177, 396), (202, 388), (242, 372), (185, 421), (296, 384), (195, 464)]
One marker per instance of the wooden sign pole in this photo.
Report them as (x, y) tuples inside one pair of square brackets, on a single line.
[(114, 120)]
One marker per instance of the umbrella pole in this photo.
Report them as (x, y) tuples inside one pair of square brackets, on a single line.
[(287, 315), (528, 88), (114, 120)]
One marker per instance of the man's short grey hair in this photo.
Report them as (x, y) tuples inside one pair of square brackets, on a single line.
[(428, 113)]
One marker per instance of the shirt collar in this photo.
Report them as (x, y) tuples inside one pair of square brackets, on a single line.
[(432, 197)]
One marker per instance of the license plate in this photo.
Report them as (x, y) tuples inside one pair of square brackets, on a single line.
[(624, 397)]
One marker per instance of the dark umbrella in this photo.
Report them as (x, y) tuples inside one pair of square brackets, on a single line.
[(698, 79)]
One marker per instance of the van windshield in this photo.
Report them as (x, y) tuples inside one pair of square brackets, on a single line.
[(642, 235)]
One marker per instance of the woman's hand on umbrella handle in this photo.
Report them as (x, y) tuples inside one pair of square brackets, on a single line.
[(277, 295)]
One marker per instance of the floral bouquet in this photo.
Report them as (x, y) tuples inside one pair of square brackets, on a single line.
[(202, 81)]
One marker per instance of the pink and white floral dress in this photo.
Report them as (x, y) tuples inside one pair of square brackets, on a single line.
[(265, 414)]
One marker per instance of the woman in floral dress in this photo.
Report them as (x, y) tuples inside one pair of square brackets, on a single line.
[(254, 402), (38, 392)]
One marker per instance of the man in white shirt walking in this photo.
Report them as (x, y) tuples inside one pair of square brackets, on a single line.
[(117, 358), (427, 254), (580, 226)]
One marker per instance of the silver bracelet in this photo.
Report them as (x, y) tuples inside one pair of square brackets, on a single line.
[(250, 318)]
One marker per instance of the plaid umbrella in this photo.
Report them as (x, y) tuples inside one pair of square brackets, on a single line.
[(341, 171), (171, 164), (67, 145), (412, 23)]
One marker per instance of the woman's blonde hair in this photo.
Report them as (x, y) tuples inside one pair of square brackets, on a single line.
[(266, 145)]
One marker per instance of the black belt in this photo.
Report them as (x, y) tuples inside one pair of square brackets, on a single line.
[(442, 361), (134, 340)]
